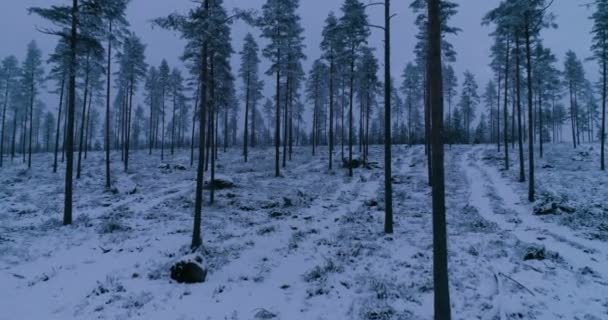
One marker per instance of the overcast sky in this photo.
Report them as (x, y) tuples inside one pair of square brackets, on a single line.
[(472, 44)]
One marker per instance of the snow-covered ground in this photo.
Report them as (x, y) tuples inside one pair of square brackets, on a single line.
[(308, 245)]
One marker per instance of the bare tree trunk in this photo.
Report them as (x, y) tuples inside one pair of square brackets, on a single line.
[(440, 256), (108, 88), (6, 99), (246, 126), (83, 119), (277, 129), (522, 175), (350, 112), (32, 91), (67, 213), (603, 137), (506, 106), (388, 184), (331, 110), (531, 191), (198, 202)]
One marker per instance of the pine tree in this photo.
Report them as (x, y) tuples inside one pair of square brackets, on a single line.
[(354, 22), (9, 71), (450, 82), (249, 73), (574, 77), (177, 92), (411, 87), (32, 79), (489, 100), (600, 54), (469, 99), (116, 23), (332, 46), (280, 25), (132, 71)]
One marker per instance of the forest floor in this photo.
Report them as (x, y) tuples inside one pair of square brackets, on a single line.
[(308, 245)]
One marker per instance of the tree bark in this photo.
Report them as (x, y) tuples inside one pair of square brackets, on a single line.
[(440, 257), (67, 212), (388, 184)]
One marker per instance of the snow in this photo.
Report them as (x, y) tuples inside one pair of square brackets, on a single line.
[(307, 245)]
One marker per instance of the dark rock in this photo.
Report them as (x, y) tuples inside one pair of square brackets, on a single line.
[(355, 163), (264, 314), (277, 214), (371, 203), (188, 272), (180, 167), (219, 184), (535, 253), (287, 202)]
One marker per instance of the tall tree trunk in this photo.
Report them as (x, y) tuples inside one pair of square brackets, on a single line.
[(331, 110), (108, 88), (286, 119), (86, 128), (214, 123), (498, 112), (6, 99), (194, 112), (277, 129), (350, 111), (506, 107), (440, 256), (522, 175), (246, 126), (531, 191), (162, 134), (572, 114), (128, 123), (67, 212), (603, 137), (173, 122), (32, 97), (198, 202), (388, 184), (83, 119)]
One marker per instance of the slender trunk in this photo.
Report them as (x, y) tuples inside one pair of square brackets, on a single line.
[(246, 126), (128, 124), (572, 114), (277, 129), (285, 119), (506, 107), (498, 112), (83, 119), (214, 123), (194, 112), (87, 129), (32, 97), (67, 213), (388, 184), (350, 112), (440, 256), (522, 175), (6, 98), (331, 111), (603, 137), (108, 88), (173, 122), (162, 134), (531, 191)]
